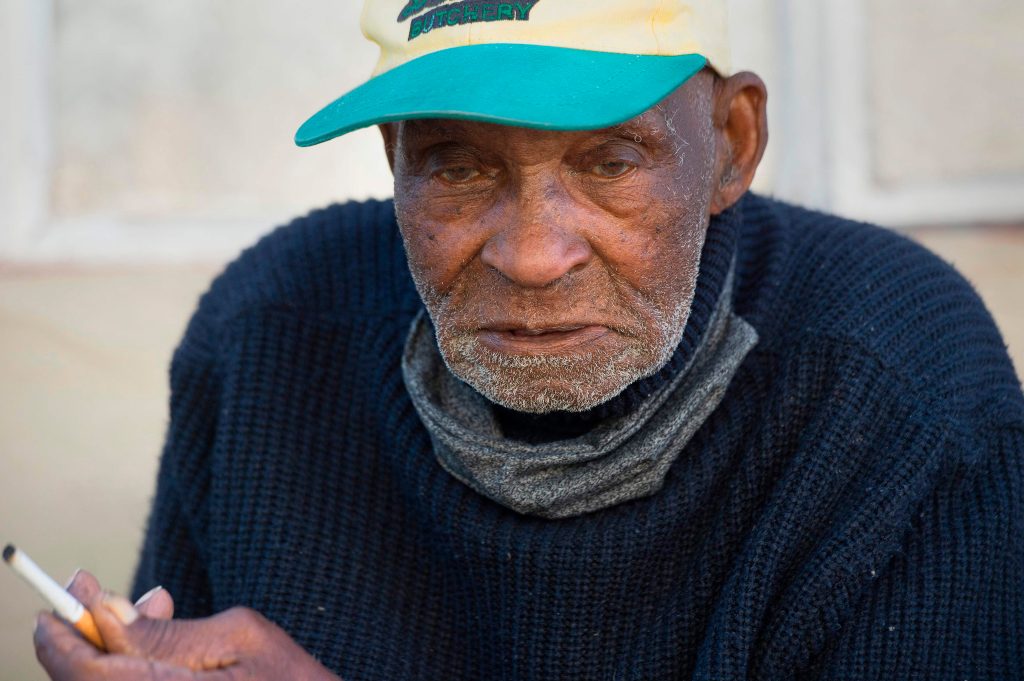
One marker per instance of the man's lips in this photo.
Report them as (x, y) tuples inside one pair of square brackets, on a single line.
[(508, 338)]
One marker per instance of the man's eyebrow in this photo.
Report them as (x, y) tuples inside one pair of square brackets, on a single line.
[(638, 129)]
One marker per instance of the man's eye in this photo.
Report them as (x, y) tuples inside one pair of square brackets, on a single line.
[(459, 174), (612, 169)]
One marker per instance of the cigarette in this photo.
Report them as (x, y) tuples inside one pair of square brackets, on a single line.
[(64, 604)]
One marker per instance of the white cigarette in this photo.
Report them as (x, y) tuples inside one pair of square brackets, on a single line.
[(63, 603)]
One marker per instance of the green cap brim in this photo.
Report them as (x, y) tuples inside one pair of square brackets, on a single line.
[(532, 86)]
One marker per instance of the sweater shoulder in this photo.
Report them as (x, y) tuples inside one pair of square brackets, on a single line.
[(886, 295), (340, 260)]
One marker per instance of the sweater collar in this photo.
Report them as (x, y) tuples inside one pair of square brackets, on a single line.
[(618, 460)]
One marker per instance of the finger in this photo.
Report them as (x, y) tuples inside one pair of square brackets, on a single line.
[(83, 586), (112, 615), (202, 644), (156, 604), (66, 657), (59, 648)]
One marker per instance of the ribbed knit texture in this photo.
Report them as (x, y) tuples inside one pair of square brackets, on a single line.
[(852, 509)]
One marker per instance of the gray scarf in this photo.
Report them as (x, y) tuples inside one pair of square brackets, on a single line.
[(622, 459)]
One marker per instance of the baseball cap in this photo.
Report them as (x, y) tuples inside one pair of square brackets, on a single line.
[(548, 64)]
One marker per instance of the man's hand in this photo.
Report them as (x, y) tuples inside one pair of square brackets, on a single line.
[(145, 644)]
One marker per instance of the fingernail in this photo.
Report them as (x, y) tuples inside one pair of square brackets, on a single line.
[(121, 607), (72, 580), (146, 596)]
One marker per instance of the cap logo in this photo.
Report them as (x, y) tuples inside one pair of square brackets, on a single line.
[(459, 13)]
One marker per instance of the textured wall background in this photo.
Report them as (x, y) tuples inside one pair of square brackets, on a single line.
[(163, 131), (143, 144), (188, 108), (946, 91)]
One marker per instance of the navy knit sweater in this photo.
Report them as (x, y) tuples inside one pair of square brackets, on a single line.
[(852, 509)]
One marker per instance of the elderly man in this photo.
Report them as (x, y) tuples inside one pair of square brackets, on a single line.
[(575, 405)]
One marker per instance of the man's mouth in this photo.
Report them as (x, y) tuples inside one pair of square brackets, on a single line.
[(545, 331), (540, 339)]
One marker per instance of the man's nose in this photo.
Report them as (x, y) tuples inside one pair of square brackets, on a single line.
[(536, 248)]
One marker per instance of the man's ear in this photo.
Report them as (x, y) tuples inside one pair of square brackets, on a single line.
[(389, 131), (741, 126)]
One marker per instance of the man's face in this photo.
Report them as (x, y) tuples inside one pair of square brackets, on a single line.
[(557, 267)]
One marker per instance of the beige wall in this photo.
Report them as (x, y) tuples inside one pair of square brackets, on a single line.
[(83, 394), (142, 144), (162, 131), (946, 92), (188, 108)]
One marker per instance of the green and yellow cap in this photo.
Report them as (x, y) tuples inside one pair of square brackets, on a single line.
[(549, 64)]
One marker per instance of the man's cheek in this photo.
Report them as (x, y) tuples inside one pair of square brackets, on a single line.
[(434, 261), (644, 257)]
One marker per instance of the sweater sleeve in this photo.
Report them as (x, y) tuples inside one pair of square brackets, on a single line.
[(951, 603), (172, 552)]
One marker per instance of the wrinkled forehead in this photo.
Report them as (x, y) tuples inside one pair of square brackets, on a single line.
[(650, 123)]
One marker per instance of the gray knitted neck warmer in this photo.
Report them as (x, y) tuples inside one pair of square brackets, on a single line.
[(619, 460)]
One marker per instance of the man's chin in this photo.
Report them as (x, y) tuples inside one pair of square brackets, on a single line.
[(541, 385), (544, 398)]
